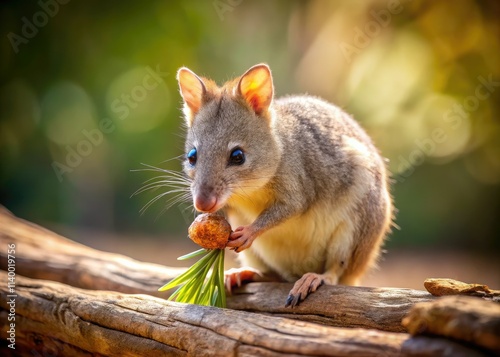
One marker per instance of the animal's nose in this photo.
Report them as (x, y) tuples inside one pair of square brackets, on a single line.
[(205, 203)]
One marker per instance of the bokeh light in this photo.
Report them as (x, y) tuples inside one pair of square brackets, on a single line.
[(423, 78)]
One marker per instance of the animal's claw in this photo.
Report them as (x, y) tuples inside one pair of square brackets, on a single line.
[(307, 284)]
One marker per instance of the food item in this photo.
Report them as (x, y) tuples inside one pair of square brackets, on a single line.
[(203, 282), (210, 231)]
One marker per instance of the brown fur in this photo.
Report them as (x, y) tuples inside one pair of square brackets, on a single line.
[(310, 202)]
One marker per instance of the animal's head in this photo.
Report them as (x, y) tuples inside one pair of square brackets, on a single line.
[(230, 145)]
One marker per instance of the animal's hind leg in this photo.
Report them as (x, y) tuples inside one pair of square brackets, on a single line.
[(308, 283), (374, 224)]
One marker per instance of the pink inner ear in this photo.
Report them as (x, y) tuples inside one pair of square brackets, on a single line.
[(256, 95), (193, 96), (192, 90), (254, 101)]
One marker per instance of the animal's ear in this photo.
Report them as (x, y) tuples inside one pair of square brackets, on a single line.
[(256, 87), (193, 92)]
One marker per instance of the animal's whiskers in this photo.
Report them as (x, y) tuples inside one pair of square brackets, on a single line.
[(176, 183)]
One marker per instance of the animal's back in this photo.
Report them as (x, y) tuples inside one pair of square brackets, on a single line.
[(301, 183), (331, 163)]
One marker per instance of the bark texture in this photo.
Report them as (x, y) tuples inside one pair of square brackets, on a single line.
[(462, 318), (72, 300), (42, 254), (58, 320)]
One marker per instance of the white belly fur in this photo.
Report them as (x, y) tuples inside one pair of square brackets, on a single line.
[(306, 243), (319, 240)]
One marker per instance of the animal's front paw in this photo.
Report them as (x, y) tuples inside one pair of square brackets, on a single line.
[(238, 276), (241, 239), (309, 283)]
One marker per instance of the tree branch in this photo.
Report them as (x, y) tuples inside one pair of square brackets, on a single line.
[(462, 318), (56, 319), (42, 254)]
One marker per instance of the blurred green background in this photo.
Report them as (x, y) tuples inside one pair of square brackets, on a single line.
[(91, 85)]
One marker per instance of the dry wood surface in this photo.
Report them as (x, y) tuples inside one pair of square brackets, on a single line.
[(463, 318), (75, 300), (444, 287), (42, 254), (56, 319)]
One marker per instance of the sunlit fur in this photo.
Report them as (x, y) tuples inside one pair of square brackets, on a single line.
[(313, 188)]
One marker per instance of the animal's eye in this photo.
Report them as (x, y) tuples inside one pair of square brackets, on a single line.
[(237, 157), (191, 156)]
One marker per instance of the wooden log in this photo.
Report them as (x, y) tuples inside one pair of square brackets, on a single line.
[(340, 306), (45, 255), (463, 318), (444, 287), (55, 319), (42, 254)]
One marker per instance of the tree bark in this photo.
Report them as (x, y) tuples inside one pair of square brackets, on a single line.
[(444, 287), (54, 319), (94, 316), (462, 318), (339, 306), (42, 254)]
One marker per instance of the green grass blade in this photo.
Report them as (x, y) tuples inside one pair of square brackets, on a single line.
[(188, 274), (192, 254), (203, 282), (184, 295), (221, 286), (204, 274), (215, 297), (193, 291), (175, 293)]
